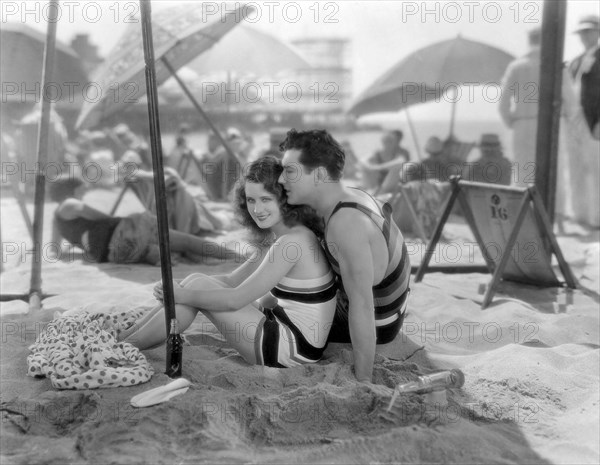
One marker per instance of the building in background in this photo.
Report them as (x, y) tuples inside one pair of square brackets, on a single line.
[(326, 87)]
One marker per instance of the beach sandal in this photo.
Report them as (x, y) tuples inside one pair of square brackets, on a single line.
[(161, 393)]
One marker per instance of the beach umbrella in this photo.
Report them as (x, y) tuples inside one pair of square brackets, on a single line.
[(181, 33), (432, 72), (248, 51), (21, 58)]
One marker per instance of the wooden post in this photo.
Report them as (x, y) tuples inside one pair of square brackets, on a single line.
[(35, 288), (551, 70)]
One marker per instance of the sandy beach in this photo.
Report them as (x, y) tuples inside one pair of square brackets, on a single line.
[(531, 362)]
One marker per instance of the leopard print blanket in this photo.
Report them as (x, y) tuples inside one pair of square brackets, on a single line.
[(82, 352)]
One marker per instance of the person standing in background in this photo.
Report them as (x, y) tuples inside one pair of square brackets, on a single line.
[(585, 72), (518, 107), (584, 130)]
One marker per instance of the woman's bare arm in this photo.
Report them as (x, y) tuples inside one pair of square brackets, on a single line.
[(274, 266), (242, 272)]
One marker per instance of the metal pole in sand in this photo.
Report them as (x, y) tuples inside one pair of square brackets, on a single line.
[(35, 288), (159, 182), (551, 69)]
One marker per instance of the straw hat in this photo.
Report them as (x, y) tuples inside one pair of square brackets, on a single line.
[(489, 140), (587, 23)]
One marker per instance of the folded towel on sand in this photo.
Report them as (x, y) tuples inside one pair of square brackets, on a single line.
[(81, 352)]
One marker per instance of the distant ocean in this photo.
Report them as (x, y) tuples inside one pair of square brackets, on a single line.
[(365, 142)]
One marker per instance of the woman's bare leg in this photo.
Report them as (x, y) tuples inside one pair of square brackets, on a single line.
[(151, 330), (238, 327)]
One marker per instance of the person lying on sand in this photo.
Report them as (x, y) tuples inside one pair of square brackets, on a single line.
[(281, 303), (104, 238), (362, 242)]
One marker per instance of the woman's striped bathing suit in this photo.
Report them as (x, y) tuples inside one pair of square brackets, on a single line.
[(295, 331)]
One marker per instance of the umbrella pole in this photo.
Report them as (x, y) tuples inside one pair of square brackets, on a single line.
[(453, 114), (548, 118), (35, 288), (227, 103), (413, 133), (14, 184), (173, 350), (201, 111)]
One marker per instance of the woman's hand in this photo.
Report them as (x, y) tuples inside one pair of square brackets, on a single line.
[(158, 291), (177, 292)]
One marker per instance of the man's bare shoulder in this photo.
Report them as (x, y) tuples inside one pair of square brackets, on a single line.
[(348, 222)]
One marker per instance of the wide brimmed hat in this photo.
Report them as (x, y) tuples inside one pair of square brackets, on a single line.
[(489, 140), (587, 23)]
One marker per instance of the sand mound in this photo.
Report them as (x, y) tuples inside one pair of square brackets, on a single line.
[(531, 361)]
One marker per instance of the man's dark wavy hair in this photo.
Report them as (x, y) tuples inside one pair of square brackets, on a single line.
[(318, 148), (266, 171)]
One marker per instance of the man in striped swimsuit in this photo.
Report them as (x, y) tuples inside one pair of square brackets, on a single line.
[(363, 244)]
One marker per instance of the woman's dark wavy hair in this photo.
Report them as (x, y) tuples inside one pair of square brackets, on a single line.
[(266, 171)]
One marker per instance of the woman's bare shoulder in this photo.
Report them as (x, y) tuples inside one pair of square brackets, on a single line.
[(298, 235)]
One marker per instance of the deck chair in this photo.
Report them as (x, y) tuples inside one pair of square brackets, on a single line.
[(456, 151), (417, 206), (198, 219), (513, 231), (183, 167)]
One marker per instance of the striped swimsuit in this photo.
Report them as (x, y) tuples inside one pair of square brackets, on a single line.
[(295, 331), (390, 296)]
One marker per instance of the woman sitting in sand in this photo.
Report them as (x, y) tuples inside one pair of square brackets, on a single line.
[(281, 306), (104, 238)]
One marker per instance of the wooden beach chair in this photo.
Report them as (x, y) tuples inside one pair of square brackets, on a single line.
[(456, 151), (422, 201), (144, 191), (514, 221)]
